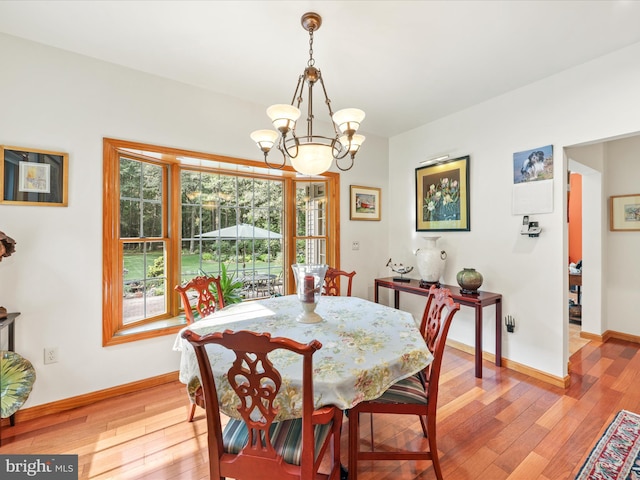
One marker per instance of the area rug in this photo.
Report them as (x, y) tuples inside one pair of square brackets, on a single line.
[(615, 456)]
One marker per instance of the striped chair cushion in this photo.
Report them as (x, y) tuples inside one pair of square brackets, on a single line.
[(409, 390), (286, 438)]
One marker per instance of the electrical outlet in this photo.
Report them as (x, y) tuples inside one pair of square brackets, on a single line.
[(50, 355), (355, 245)]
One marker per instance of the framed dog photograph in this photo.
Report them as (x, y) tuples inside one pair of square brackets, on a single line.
[(533, 165), (33, 177), (442, 196)]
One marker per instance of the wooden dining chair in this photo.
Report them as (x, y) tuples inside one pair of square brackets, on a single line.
[(331, 285), (206, 303), (415, 395), (258, 446)]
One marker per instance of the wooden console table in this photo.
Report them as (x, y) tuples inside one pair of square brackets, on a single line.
[(8, 321), (478, 302)]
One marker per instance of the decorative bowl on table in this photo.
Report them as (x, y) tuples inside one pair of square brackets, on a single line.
[(309, 280)]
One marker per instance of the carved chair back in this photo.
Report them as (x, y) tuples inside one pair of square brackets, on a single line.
[(434, 328), (257, 382), (206, 302), (331, 285)]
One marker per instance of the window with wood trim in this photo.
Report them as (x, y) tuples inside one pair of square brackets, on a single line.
[(170, 215)]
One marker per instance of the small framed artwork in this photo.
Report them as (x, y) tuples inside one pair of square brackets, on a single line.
[(442, 196), (624, 213), (33, 177), (365, 203)]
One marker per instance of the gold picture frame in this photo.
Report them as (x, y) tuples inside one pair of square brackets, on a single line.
[(442, 196), (33, 177), (364, 203), (624, 213)]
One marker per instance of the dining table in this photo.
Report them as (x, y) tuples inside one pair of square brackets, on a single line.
[(366, 347)]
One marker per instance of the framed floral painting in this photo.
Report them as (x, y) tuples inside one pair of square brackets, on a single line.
[(442, 196)]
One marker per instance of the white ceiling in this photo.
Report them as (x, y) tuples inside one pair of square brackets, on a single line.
[(404, 62)]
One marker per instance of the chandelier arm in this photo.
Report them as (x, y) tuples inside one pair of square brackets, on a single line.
[(276, 167), (283, 147), (349, 167)]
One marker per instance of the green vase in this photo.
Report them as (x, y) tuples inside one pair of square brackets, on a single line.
[(469, 280)]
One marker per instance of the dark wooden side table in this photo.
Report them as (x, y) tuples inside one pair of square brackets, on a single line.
[(9, 323), (478, 302)]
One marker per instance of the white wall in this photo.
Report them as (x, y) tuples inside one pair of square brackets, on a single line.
[(622, 252), (55, 100), (596, 100)]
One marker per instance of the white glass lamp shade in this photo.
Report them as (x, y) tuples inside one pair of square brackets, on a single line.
[(348, 119), (265, 139), (283, 116), (356, 142), (313, 159)]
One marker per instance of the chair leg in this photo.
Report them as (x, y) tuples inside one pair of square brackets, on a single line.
[(423, 424), (433, 448), (354, 444), (191, 413)]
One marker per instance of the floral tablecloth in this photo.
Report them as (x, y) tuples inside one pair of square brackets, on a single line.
[(366, 347)]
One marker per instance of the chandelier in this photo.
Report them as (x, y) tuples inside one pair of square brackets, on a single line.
[(310, 154)]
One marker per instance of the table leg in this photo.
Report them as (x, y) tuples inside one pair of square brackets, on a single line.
[(12, 335), (498, 333), (396, 299), (478, 341), (375, 292)]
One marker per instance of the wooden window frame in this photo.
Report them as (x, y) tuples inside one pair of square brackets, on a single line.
[(113, 330)]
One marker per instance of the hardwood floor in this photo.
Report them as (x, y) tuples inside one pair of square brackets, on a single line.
[(503, 426), (576, 342)]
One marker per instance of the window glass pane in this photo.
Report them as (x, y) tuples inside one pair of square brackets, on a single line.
[(311, 250), (152, 219), (227, 191), (130, 218), (191, 189), (140, 199), (311, 221), (301, 208), (144, 281), (152, 181), (130, 172), (311, 207), (246, 191), (238, 204), (191, 222)]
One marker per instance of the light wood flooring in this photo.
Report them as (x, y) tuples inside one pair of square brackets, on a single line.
[(503, 426), (576, 342)]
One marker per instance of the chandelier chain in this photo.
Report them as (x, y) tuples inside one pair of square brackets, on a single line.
[(311, 61)]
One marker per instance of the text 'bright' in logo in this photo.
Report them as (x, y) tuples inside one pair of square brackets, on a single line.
[(51, 467)]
